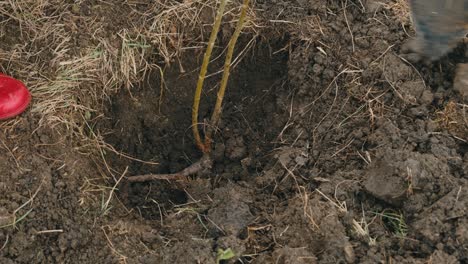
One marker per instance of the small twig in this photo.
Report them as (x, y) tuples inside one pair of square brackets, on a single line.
[(160, 211), (106, 204), (14, 157), (123, 258), (347, 23), (16, 220), (4, 244), (150, 177), (50, 231)]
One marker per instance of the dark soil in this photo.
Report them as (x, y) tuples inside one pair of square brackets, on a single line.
[(332, 149)]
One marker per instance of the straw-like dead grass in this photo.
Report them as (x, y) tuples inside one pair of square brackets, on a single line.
[(72, 60), (453, 118)]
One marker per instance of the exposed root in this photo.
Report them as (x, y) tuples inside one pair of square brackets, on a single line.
[(205, 163)]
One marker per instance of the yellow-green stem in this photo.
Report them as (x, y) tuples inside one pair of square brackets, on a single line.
[(227, 66), (201, 77)]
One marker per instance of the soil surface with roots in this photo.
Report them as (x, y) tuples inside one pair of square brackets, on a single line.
[(332, 149)]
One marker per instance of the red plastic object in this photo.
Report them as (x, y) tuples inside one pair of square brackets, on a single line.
[(14, 97)]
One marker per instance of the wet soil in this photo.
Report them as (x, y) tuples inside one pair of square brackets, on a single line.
[(332, 149)]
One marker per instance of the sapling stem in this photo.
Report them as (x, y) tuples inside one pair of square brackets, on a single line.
[(202, 75), (226, 71), (206, 161)]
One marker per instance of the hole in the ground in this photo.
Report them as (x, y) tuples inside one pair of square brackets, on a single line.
[(153, 122)]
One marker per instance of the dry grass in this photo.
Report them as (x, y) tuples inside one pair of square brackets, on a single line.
[(400, 8), (73, 60), (454, 119), (65, 80)]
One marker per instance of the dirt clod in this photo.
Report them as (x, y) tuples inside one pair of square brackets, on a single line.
[(231, 211)]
